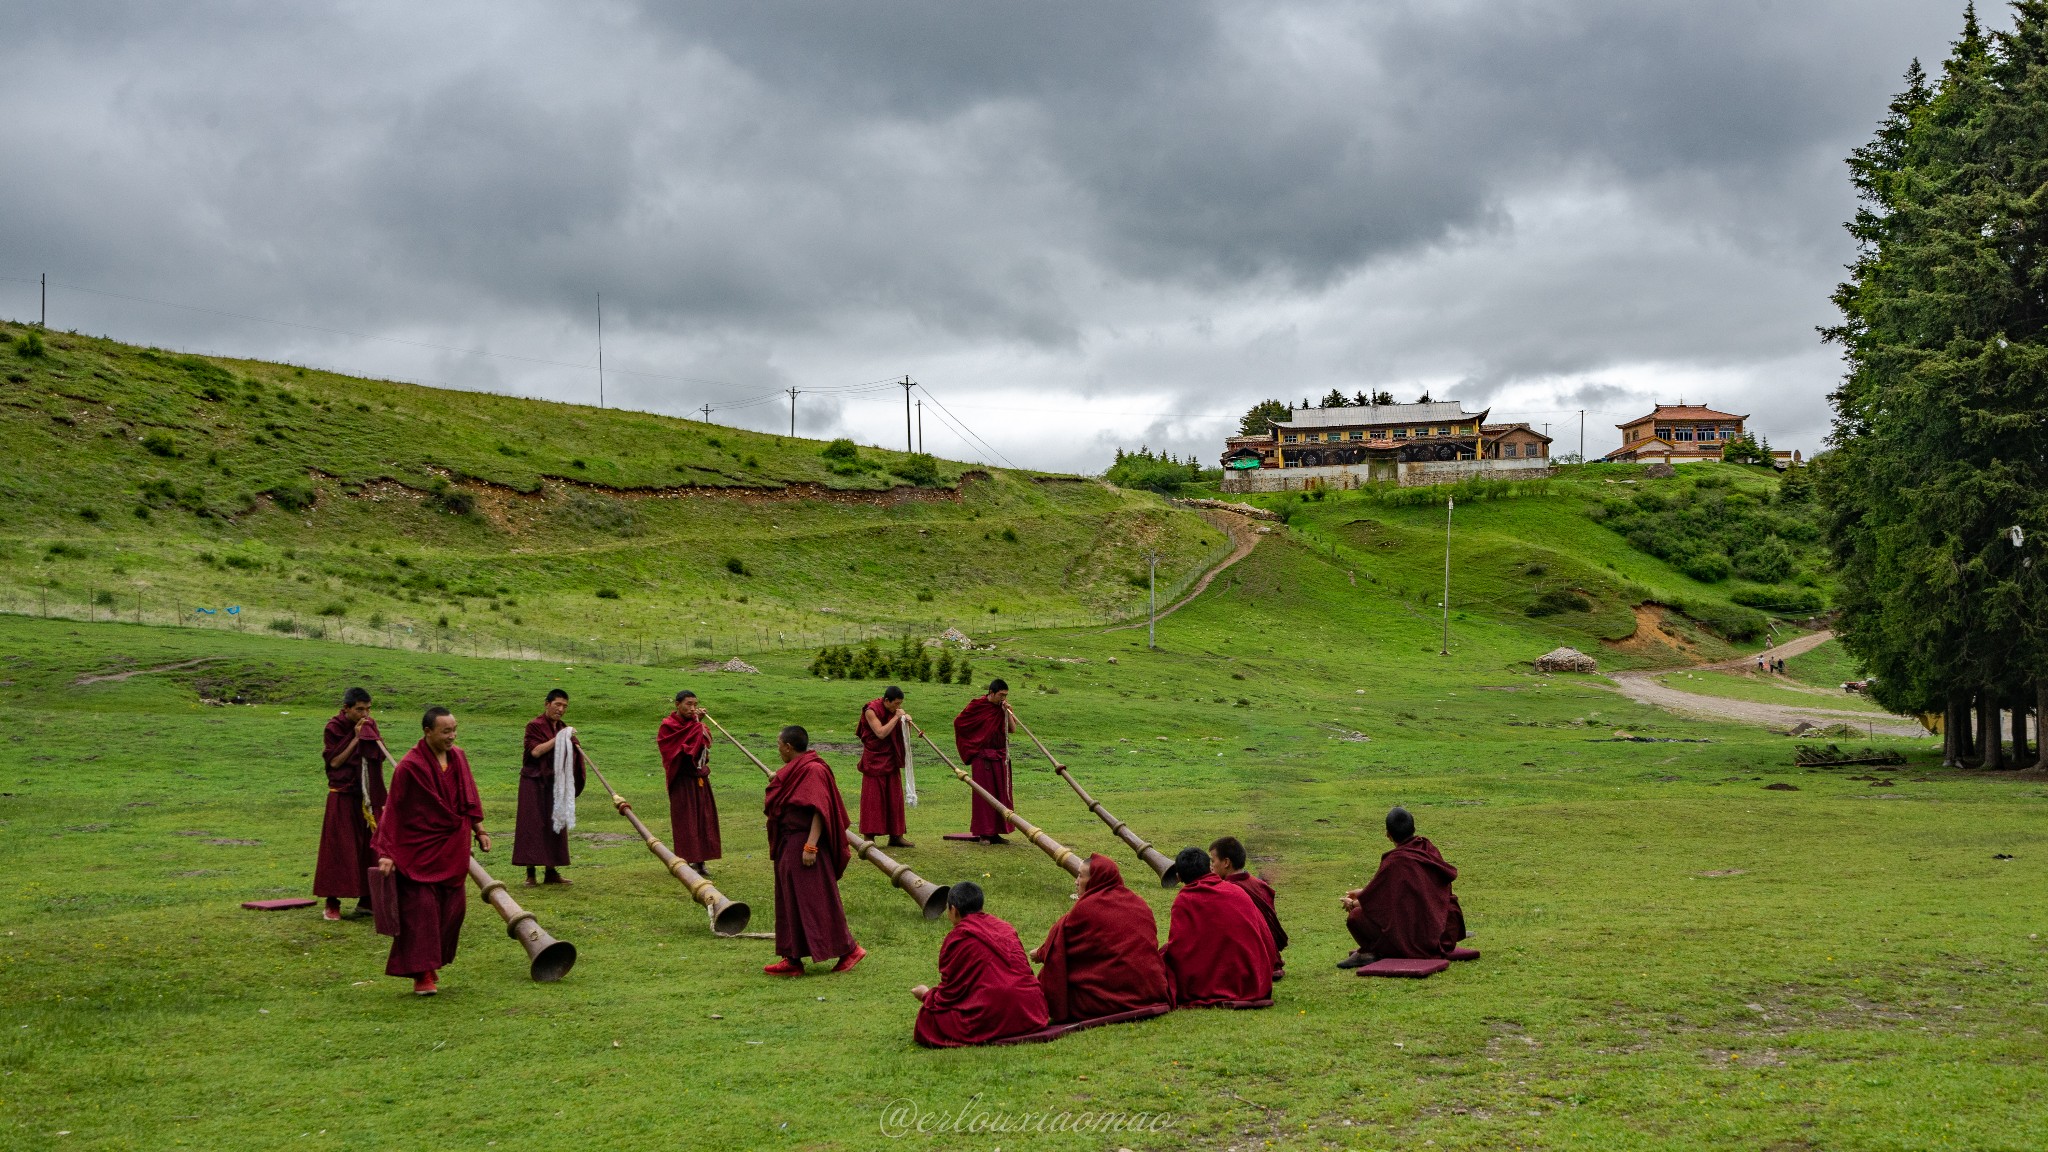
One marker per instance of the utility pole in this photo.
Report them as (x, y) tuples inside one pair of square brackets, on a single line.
[(792, 412), (1152, 599), (707, 413), (44, 323), (1582, 435), (600, 349), (906, 414), (920, 424), (1449, 503)]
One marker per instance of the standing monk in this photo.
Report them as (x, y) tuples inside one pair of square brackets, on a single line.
[(422, 842), (686, 756), (982, 734), (884, 752), (807, 842), (1226, 859), (355, 791), (540, 834), (1102, 957), (1407, 910)]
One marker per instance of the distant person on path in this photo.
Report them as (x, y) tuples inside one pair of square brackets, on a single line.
[(807, 842), (884, 753), (685, 748), (1226, 859), (547, 809), (1218, 948), (1407, 910), (985, 991), (354, 760), (1102, 957), (981, 733), (423, 842)]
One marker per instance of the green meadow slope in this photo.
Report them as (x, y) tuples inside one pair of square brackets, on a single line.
[(166, 488)]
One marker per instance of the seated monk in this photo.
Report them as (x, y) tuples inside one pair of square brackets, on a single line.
[(1406, 911), (1218, 948), (1102, 957), (1226, 859), (985, 991)]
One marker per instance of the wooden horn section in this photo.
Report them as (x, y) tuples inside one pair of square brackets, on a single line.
[(1153, 857), (1061, 855), (728, 916), (930, 897), (551, 958)]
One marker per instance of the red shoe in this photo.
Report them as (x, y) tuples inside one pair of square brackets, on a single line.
[(424, 985), (847, 961), (330, 914), (784, 968)]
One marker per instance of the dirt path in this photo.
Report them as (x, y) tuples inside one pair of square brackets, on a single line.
[(1643, 688), (108, 677), (1242, 532)]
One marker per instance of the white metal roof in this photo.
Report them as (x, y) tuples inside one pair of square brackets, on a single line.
[(1435, 412)]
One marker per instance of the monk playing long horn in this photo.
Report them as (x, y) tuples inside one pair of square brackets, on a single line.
[(547, 806), (422, 841), (807, 842), (985, 991), (982, 734), (884, 765), (692, 808), (1102, 957), (353, 753)]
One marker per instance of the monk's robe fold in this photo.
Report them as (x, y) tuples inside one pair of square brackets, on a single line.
[(535, 843), (425, 829), (809, 919), (1263, 895), (1102, 957), (692, 808), (1218, 947), (1407, 910), (344, 835), (981, 734), (985, 991), (881, 774)]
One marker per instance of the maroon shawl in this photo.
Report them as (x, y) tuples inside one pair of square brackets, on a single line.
[(1102, 957), (807, 782), (980, 727), (985, 990), (428, 816), (368, 758), (683, 744), (880, 755), (1409, 904), (540, 730), (1262, 895), (1218, 947)]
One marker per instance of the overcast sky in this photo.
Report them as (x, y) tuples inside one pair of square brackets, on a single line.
[(1077, 224)]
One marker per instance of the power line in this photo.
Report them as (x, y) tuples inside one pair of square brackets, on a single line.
[(963, 424)]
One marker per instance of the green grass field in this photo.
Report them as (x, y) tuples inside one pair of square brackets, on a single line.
[(1677, 953)]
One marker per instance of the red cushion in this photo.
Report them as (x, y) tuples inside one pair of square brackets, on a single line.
[(278, 905), (1463, 954), (1412, 969), (1056, 1031)]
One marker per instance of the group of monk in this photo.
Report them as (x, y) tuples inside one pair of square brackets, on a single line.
[(1101, 961)]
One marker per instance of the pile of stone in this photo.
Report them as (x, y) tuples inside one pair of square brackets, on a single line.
[(733, 665), (1566, 660)]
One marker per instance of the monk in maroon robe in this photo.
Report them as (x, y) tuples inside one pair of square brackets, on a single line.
[(535, 843), (986, 991), (353, 754), (884, 750), (1102, 957), (807, 842), (1226, 859), (1407, 909), (686, 757), (1218, 948), (422, 841), (981, 733)]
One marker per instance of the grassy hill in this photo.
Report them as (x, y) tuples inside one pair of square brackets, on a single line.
[(170, 488)]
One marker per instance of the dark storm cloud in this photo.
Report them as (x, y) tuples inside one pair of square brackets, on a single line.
[(1182, 205)]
